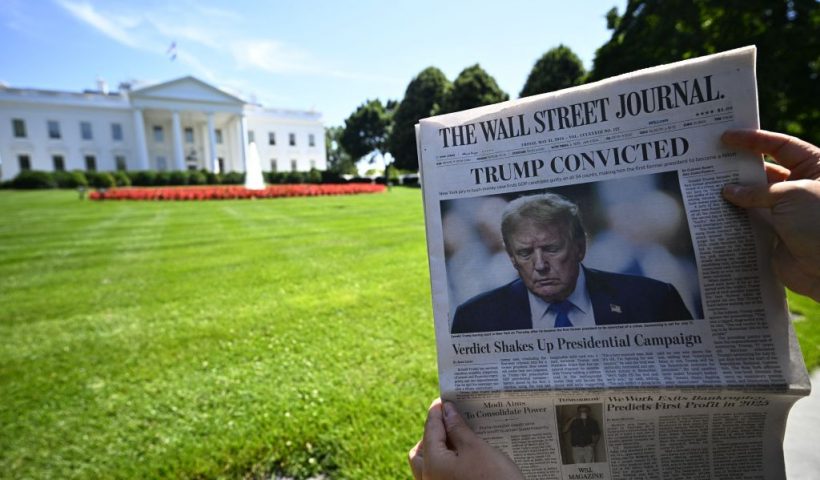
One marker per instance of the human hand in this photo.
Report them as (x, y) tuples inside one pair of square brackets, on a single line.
[(793, 195), (450, 450)]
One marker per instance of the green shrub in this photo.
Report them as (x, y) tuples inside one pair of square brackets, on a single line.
[(331, 177), (101, 180), (72, 179), (314, 176), (31, 179), (197, 178), (213, 178), (295, 177), (233, 178), (143, 178), (411, 181), (360, 180), (179, 177), (61, 178), (121, 179), (163, 178), (275, 177)]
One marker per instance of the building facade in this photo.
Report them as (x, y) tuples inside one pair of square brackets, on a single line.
[(183, 124)]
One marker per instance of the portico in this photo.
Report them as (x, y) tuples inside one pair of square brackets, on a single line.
[(187, 124)]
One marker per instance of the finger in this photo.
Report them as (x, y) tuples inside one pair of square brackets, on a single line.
[(416, 460), (749, 196), (459, 433), (776, 173), (791, 272), (801, 158), (435, 436)]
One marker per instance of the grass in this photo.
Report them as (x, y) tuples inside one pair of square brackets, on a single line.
[(219, 339), (807, 326), (212, 339)]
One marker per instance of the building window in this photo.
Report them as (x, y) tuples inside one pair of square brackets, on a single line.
[(59, 163), (90, 163), (25, 162), (271, 138), (85, 131), (159, 134), (251, 136), (292, 139), (272, 164), (218, 135), (116, 132), (120, 162), (162, 163), (19, 127), (293, 165), (311, 140), (54, 130), (221, 162), (312, 164), (189, 135)]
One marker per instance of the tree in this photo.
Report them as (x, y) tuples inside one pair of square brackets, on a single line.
[(473, 88), (366, 129), (338, 160), (786, 32), (423, 98), (559, 68)]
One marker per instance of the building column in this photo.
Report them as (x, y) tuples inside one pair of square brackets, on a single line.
[(212, 154), (142, 147), (179, 152), (243, 141)]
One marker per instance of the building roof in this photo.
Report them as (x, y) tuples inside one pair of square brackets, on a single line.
[(183, 88), (180, 86)]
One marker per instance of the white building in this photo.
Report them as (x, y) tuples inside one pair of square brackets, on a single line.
[(176, 125)]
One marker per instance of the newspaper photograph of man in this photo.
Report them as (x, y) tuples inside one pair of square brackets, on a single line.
[(562, 275), (582, 440)]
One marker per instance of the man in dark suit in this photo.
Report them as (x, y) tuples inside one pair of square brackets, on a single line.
[(546, 242)]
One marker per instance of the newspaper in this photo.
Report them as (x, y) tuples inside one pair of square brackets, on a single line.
[(675, 357)]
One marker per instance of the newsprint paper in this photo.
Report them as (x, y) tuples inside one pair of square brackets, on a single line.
[(625, 322)]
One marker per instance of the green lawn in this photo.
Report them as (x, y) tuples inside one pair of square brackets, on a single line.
[(218, 339), (212, 339)]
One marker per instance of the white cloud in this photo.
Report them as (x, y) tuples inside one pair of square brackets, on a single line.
[(276, 57), (196, 65), (204, 29), (203, 36), (115, 28), (270, 56), (219, 13)]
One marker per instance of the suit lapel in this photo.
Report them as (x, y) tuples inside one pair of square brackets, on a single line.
[(519, 312)]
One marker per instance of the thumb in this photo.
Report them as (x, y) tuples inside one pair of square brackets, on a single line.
[(749, 196), (459, 434)]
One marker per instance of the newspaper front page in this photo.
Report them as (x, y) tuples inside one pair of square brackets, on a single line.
[(600, 311)]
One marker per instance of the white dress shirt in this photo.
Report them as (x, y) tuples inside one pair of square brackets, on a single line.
[(580, 315)]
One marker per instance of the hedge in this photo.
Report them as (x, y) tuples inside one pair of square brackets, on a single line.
[(32, 179)]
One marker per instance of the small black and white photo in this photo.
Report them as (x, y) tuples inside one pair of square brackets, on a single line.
[(580, 428)]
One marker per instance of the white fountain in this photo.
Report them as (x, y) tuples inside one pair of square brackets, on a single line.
[(253, 169)]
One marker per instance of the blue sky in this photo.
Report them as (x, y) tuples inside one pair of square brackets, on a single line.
[(327, 55)]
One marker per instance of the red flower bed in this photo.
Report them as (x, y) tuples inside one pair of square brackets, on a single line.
[(230, 192)]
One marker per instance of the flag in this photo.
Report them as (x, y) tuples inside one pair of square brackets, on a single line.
[(172, 51)]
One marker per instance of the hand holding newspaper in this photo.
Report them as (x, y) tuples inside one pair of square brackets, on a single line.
[(600, 310)]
